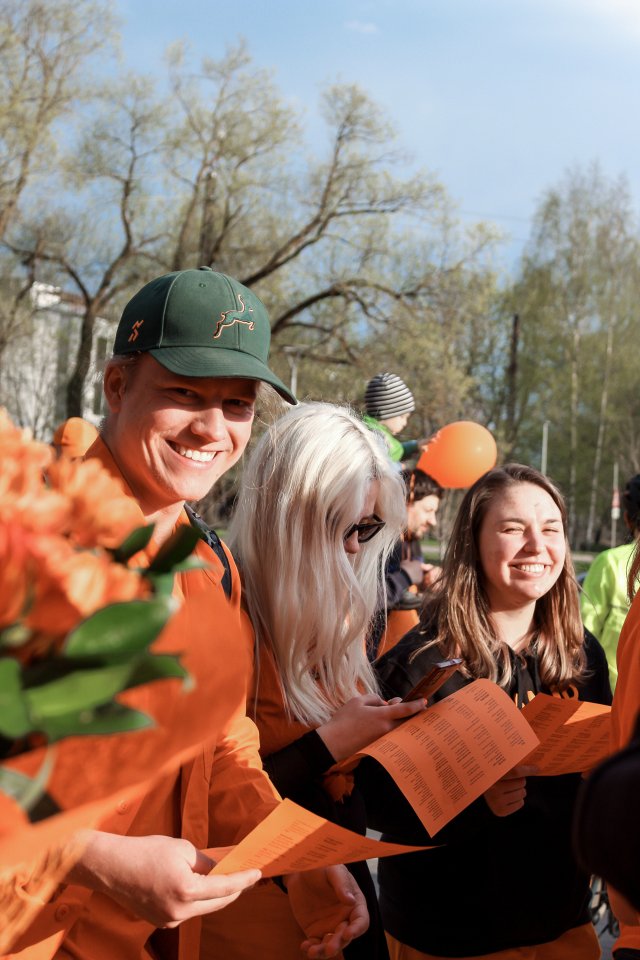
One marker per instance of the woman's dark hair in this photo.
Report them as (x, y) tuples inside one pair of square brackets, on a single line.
[(631, 501), (460, 611)]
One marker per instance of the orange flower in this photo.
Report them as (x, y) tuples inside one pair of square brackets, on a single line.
[(22, 459), (71, 585), (8, 430), (15, 572), (102, 514), (23, 495)]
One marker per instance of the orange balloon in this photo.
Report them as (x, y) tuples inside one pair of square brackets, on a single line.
[(459, 454)]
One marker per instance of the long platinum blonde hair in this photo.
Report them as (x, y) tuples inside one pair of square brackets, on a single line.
[(303, 486)]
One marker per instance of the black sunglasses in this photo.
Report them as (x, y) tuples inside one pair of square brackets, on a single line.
[(366, 529)]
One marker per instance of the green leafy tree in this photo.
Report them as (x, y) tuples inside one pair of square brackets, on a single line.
[(574, 295), (97, 239)]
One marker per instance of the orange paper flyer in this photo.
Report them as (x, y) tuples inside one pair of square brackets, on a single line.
[(292, 839), (574, 734), (447, 756)]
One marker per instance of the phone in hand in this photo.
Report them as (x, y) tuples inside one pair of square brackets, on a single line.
[(433, 679)]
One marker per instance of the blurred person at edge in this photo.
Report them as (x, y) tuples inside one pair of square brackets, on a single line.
[(504, 884), (625, 714), (321, 500), (73, 437), (388, 404), (604, 601), (190, 351), (407, 576)]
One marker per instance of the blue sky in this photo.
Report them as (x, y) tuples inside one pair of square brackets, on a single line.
[(497, 97)]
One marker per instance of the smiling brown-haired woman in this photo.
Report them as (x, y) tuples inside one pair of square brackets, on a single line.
[(504, 883)]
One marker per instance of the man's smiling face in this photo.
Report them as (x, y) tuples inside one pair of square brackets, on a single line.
[(174, 436)]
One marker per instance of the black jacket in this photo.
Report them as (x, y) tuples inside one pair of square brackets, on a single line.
[(297, 771), (497, 882)]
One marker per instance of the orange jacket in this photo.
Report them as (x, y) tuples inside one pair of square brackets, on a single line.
[(261, 923), (224, 779), (624, 712)]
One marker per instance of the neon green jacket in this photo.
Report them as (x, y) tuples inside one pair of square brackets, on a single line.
[(603, 601), (397, 450)]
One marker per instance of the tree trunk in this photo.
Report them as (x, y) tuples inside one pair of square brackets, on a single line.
[(573, 442), (511, 386), (75, 387), (597, 460)]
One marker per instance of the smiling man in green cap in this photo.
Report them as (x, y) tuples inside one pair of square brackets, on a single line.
[(190, 352)]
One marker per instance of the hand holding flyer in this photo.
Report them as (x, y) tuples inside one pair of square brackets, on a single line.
[(291, 839), (446, 757)]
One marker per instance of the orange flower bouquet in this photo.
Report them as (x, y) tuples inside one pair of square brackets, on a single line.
[(77, 618)]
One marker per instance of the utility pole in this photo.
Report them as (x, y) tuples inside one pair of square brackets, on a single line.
[(615, 504), (545, 447)]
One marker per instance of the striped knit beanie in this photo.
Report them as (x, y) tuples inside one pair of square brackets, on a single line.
[(387, 396)]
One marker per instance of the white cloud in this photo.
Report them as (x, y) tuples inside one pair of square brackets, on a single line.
[(620, 14), (359, 26)]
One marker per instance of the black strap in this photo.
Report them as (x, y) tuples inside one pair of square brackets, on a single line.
[(213, 540)]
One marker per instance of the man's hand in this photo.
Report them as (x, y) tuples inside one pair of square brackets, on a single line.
[(361, 720), (508, 794), (159, 879), (414, 569), (430, 575), (330, 907)]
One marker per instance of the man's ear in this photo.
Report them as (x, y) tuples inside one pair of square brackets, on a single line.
[(114, 385)]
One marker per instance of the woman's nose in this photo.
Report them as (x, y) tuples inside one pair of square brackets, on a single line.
[(351, 544), (535, 541)]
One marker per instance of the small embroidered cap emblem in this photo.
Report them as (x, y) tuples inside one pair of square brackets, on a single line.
[(135, 331)]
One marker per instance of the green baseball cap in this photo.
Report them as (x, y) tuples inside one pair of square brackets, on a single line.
[(198, 323)]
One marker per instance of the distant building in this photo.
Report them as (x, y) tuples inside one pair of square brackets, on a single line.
[(36, 366)]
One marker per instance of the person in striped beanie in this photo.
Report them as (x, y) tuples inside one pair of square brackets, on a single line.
[(388, 404)]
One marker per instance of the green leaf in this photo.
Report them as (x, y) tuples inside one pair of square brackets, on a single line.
[(191, 563), (156, 667), (136, 541), (27, 791), (80, 690), (112, 718), (14, 713), (121, 629), (87, 689), (161, 584), (176, 549)]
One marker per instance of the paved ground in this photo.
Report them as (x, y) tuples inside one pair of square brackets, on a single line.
[(606, 942)]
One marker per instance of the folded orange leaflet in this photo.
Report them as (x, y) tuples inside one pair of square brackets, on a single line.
[(446, 757), (292, 839), (574, 734)]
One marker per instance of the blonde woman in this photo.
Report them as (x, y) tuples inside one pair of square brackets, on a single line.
[(320, 509), (504, 884)]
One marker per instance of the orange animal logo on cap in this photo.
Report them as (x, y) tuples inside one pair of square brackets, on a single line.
[(230, 317), (135, 330)]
